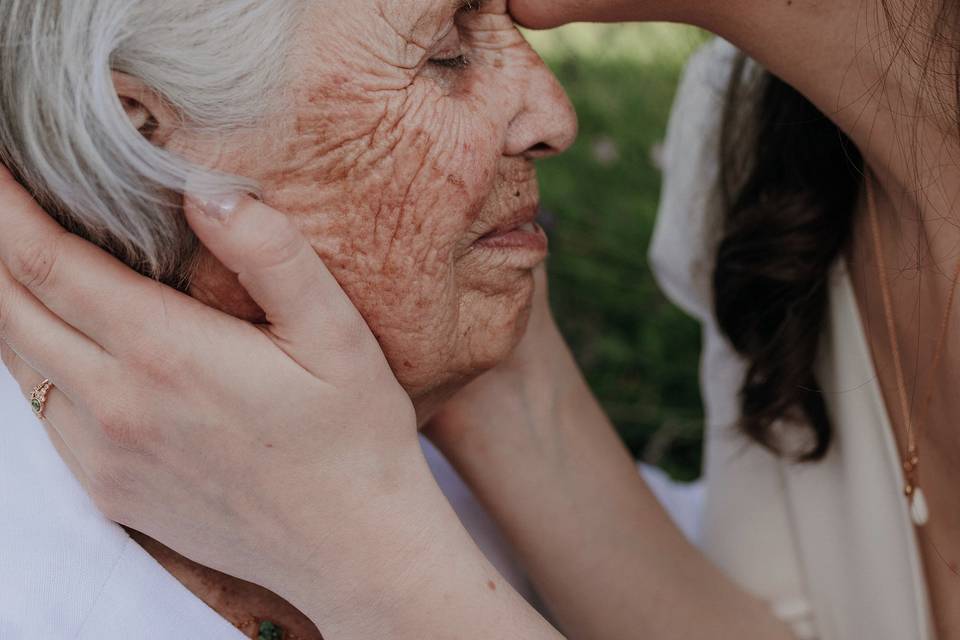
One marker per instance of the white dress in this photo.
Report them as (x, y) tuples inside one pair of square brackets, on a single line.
[(829, 545), (66, 572)]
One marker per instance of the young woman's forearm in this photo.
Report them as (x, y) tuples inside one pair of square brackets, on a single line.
[(410, 571), (601, 550)]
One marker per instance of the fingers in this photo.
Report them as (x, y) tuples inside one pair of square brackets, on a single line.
[(89, 290), (304, 304), (85, 286), (547, 14), (543, 14), (57, 411), (44, 341)]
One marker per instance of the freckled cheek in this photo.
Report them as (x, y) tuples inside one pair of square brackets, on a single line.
[(465, 187), (471, 172), (410, 209), (458, 177)]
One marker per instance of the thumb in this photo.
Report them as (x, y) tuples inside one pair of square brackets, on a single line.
[(306, 309)]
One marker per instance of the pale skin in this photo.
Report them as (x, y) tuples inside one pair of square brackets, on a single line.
[(843, 56), (392, 165), (548, 455), (395, 159)]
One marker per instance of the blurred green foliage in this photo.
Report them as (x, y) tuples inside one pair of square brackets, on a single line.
[(638, 351)]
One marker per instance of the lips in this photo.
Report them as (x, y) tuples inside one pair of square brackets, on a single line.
[(520, 232), (529, 236)]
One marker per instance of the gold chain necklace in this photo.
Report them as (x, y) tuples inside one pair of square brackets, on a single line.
[(919, 511)]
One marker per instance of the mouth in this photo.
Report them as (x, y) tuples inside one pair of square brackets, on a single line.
[(520, 233)]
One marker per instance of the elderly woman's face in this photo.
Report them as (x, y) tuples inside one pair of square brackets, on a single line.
[(407, 160)]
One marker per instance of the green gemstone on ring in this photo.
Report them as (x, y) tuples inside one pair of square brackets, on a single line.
[(36, 406), (270, 630)]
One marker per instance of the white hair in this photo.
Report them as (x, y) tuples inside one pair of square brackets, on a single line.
[(65, 135)]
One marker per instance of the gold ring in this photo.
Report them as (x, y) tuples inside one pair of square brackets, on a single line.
[(38, 399)]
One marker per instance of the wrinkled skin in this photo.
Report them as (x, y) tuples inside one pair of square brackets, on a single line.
[(393, 164)]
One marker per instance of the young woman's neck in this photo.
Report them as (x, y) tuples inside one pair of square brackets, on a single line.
[(873, 68)]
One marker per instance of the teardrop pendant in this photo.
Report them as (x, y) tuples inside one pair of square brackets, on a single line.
[(919, 512)]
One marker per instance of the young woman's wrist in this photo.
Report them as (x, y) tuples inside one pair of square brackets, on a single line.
[(523, 391), (403, 552)]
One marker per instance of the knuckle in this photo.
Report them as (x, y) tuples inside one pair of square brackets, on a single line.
[(168, 370), (162, 364), (121, 430), (279, 247), (33, 265)]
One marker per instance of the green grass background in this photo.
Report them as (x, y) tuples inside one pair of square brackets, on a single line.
[(639, 353)]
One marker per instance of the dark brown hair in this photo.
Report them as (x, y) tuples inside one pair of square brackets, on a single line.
[(790, 181)]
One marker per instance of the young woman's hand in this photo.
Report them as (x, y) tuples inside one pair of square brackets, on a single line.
[(286, 454), (546, 14), (246, 448)]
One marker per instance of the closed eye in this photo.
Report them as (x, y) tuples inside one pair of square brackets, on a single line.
[(458, 62), (469, 5), (452, 40)]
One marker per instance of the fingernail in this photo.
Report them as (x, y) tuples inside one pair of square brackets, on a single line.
[(219, 207)]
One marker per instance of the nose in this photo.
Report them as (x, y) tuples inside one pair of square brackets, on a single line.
[(545, 123)]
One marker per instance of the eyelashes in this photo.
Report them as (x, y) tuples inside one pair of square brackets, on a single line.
[(450, 50), (458, 62)]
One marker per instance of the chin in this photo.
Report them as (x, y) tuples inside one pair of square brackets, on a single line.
[(498, 341)]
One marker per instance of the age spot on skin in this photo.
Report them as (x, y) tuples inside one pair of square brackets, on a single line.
[(456, 180), (491, 585)]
